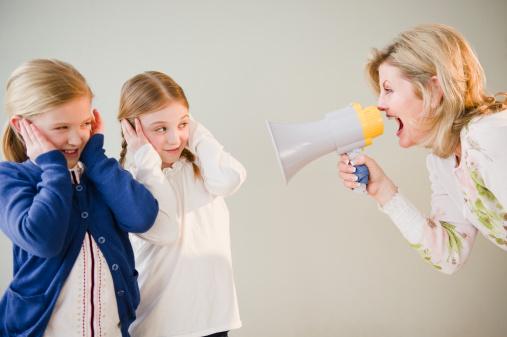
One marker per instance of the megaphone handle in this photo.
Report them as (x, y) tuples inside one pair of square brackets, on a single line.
[(362, 169)]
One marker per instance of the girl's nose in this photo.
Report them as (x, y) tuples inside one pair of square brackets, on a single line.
[(172, 138), (75, 138)]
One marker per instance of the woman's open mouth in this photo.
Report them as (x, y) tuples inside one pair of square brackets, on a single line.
[(400, 123)]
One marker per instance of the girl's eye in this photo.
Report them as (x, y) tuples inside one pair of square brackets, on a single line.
[(61, 128), (161, 129), (182, 125)]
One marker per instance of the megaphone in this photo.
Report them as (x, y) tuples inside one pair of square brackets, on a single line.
[(347, 130)]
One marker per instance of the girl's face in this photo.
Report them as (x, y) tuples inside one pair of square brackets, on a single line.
[(167, 130), (68, 127), (398, 100)]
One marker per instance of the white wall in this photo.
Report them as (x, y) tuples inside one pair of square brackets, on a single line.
[(310, 258)]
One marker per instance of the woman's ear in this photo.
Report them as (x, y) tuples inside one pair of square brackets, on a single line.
[(15, 120), (436, 92)]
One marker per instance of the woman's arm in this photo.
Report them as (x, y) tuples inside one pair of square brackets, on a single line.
[(444, 240)]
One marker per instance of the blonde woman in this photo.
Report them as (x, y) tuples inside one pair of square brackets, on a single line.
[(184, 260), (430, 82), (60, 206)]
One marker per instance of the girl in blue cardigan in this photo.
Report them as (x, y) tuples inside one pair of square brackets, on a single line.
[(67, 208)]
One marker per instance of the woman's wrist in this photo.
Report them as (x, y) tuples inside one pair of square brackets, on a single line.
[(386, 192)]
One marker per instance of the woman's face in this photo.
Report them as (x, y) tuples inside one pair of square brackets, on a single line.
[(167, 130), (399, 101)]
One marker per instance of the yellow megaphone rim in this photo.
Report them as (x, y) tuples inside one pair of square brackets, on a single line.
[(371, 121)]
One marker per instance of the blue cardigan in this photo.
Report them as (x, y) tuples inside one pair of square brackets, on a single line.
[(46, 217)]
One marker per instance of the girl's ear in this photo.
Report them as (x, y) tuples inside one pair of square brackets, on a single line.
[(15, 120)]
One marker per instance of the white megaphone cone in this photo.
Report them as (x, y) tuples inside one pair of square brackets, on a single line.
[(345, 131)]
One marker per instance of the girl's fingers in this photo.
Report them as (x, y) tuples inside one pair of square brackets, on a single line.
[(139, 128), (26, 132), (37, 135), (139, 131), (97, 117), (97, 122), (127, 128), (42, 141)]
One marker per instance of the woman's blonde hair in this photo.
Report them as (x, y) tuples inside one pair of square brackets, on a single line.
[(149, 92), (35, 87), (430, 50)]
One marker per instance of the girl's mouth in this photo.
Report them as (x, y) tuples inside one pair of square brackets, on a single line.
[(71, 153), (173, 151)]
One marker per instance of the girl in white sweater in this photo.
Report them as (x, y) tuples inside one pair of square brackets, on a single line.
[(184, 261)]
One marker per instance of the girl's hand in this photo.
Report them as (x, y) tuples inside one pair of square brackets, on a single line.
[(135, 138), (97, 126), (379, 186), (36, 143)]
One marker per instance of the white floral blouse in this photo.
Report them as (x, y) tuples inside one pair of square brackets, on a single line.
[(467, 198)]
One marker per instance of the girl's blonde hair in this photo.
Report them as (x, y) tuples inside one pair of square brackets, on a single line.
[(430, 50), (149, 92), (35, 87)]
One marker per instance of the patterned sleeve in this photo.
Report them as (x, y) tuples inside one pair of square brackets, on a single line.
[(485, 159), (445, 239)]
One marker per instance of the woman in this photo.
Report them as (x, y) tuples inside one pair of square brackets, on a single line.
[(430, 81)]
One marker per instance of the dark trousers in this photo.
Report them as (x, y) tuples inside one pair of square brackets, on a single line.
[(219, 334)]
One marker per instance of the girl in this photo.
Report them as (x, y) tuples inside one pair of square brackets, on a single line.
[(186, 279), (430, 81), (67, 209)]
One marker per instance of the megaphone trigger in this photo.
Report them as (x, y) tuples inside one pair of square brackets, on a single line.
[(362, 173)]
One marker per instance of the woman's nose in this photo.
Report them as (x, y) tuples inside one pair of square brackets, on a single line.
[(381, 104)]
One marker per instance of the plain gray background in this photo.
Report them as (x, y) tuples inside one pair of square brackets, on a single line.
[(310, 258)]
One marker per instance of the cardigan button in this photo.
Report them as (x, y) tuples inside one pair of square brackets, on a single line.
[(125, 318), (120, 292), (79, 188), (114, 267), (84, 215), (102, 240)]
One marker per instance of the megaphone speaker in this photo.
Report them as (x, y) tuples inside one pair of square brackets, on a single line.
[(345, 131)]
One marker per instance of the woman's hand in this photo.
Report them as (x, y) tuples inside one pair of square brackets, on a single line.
[(135, 138), (36, 143), (97, 125), (379, 186)]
